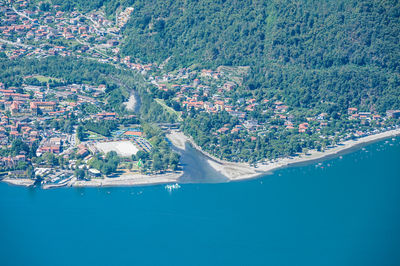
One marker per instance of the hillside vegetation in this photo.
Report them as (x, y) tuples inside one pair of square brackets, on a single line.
[(319, 58), (303, 51)]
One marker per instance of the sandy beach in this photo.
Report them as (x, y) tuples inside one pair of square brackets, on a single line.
[(129, 180), (242, 171), (177, 138), (19, 181)]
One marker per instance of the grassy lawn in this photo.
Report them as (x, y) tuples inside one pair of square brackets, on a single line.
[(169, 109), (46, 79), (94, 136)]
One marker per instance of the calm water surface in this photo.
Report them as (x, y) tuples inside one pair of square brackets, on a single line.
[(342, 212)]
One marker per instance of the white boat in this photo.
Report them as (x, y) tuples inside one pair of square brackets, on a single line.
[(172, 187)]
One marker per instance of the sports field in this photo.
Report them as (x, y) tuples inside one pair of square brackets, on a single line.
[(122, 148)]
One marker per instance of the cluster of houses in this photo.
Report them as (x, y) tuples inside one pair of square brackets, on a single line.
[(33, 99), (25, 109), (11, 161), (210, 91), (21, 26), (124, 16), (12, 128), (51, 145), (95, 34), (143, 68), (355, 114)]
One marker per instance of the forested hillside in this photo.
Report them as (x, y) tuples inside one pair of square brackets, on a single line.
[(302, 51)]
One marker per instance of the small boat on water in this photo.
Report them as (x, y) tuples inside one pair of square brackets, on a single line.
[(172, 187)]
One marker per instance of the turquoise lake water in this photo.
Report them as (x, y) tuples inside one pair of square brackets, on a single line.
[(345, 211)]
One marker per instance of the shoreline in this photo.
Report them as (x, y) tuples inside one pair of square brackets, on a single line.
[(130, 180), (19, 181), (340, 148), (231, 170), (242, 171), (127, 180)]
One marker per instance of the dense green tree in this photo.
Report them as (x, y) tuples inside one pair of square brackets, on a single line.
[(80, 133), (80, 174), (18, 146)]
